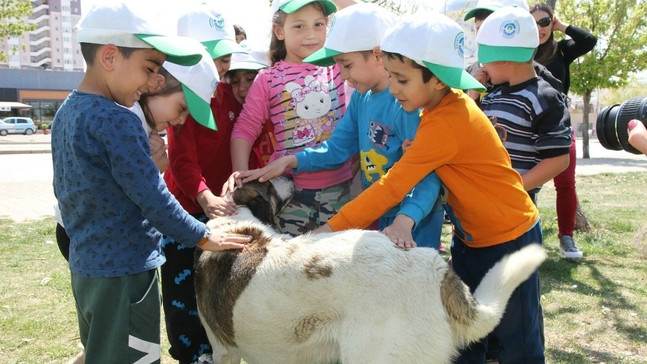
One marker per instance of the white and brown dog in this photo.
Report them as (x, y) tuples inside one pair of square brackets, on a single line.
[(351, 296)]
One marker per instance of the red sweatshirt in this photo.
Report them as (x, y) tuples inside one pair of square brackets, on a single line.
[(199, 157)]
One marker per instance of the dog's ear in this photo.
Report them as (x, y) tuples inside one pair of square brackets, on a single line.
[(257, 196)]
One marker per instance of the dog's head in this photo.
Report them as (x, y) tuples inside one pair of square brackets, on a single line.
[(265, 199)]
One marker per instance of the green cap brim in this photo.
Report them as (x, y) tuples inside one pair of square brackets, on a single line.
[(487, 53), (199, 109), (455, 77), (222, 47), (294, 5), (472, 13), (323, 57), (177, 49)]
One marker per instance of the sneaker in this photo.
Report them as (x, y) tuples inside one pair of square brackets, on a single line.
[(204, 359), (568, 248)]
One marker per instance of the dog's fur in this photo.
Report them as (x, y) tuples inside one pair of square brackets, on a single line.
[(351, 296)]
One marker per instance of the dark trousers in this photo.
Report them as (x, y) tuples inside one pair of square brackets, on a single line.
[(185, 332), (520, 332)]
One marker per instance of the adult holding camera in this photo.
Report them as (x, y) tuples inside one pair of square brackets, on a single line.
[(557, 58)]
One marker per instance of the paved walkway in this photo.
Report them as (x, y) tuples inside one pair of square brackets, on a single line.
[(28, 173)]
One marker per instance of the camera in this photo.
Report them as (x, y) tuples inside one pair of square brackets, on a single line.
[(611, 125)]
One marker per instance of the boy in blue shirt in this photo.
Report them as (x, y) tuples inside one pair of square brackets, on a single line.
[(374, 124), (111, 195)]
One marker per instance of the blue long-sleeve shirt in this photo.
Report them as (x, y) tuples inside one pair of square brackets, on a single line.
[(375, 125), (114, 203)]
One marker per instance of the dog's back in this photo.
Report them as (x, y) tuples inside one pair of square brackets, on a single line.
[(349, 295)]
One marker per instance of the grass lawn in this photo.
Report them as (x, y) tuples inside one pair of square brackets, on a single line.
[(595, 309)]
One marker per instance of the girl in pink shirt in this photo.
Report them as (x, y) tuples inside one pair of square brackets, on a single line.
[(304, 102)]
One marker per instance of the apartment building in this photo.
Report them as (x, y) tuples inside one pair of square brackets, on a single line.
[(52, 45)]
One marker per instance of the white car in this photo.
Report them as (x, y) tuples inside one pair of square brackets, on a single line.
[(17, 125)]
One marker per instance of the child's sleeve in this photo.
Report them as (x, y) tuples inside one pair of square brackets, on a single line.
[(136, 174), (343, 144), (183, 157), (421, 200), (249, 124), (553, 134)]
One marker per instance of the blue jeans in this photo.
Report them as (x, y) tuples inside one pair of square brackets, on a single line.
[(520, 331)]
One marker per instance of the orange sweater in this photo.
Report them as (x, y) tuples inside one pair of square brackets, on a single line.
[(486, 196)]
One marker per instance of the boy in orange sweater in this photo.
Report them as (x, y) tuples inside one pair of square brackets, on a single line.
[(487, 203)]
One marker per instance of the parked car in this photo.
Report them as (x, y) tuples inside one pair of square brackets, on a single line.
[(17, 125)]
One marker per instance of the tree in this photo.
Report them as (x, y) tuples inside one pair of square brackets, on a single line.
[(12, 24), (621, 28)]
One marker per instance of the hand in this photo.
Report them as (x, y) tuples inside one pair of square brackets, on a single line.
[(233, 181), (323, 229), (558, 25), (481, 75), (158, 151), (637, 135), (214, 206), (274, 169), (400, 232), (406, 144), (220, 240)]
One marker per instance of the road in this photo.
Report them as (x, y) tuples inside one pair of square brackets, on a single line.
[(26, 179)]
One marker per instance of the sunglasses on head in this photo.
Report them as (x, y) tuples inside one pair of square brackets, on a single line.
[(544, 22)]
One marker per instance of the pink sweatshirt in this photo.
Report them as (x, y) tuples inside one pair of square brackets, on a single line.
[(304, 102)]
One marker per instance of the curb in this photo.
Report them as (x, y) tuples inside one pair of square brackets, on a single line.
[(25, 151)]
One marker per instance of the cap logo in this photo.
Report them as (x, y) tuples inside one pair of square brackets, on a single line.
[(509, 28), (459, 44), (217, 22)]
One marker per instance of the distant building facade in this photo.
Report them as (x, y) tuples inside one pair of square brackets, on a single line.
[(52, 45), (43, 65)]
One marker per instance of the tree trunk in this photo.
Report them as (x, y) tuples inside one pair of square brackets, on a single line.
[(551, 3), (586, 99), (581, 221)]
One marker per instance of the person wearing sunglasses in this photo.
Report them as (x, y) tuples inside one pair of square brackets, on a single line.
[(557, 57)]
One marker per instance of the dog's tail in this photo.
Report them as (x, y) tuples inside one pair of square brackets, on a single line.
[(477, 315)]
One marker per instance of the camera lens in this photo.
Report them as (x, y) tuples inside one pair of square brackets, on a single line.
[(611, 125)]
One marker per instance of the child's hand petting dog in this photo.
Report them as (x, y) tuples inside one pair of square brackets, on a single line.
[(274, 169), (222, 240), (400, 232), (214, 206)]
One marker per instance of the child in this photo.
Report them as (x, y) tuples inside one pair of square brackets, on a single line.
[(489, 208), (199, 164), (304, 103), (374, 123), (111, 195), (241, 75), (214, 31), (532, 112)]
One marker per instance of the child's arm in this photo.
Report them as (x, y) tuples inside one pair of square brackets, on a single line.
[(240, 151), (413, 208), (544, 171), (250, 123)]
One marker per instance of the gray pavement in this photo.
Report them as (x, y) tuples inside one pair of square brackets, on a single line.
[(26, 177)]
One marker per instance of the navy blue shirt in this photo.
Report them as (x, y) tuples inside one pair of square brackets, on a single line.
[(114, 203)]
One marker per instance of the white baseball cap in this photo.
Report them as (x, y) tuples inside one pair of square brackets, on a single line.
[(508, 34), (493, 5), (441, 51), (210, 28), (254, 60), (290, 6), (125, 25), (198, 83), (359, 27)]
